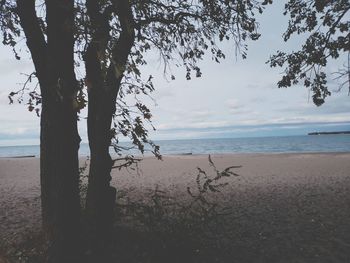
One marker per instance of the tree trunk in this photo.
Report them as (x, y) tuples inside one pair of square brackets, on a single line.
[(100, 195), (59, 140), (103, 91), (101, 106), (59, 177)]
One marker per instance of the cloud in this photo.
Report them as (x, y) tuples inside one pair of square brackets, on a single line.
[(162, 93), (4, 98), (254, 119), (237, 108), (248, 130), (190, 125), (233, 104), (200, 115), (12, 66), (20, 133), (252, 86)]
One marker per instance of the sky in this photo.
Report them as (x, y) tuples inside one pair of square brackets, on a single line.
[(235, 98)]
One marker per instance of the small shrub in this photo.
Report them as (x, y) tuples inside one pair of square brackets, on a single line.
[(192, 228)]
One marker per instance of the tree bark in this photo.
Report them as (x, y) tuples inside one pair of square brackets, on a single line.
[(59, 139), (100, 195), (102, 94), (59, 179)]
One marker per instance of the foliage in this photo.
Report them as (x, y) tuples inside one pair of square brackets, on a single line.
[(195, 219), (327, 25), (83, 180)]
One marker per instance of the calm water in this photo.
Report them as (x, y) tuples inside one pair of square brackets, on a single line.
[(321, 143)]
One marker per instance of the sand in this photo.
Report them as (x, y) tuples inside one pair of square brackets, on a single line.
[(286, 207)]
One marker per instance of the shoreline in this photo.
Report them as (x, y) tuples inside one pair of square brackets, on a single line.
[(253, 145), (200, 154)]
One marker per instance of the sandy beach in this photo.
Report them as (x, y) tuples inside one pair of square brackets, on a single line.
[(286, 207)]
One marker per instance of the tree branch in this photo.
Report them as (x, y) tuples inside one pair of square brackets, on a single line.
[(122, 47), (35, 38), (97, 46), (177, 18)]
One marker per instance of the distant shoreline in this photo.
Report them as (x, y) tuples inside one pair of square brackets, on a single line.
[(329, 133), (201, 155), (281, 144)]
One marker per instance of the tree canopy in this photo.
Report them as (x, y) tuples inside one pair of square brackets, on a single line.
[(326, 24)]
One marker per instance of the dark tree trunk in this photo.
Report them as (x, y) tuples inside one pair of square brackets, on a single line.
[(59, 180), (103, 92), (59, 139), (100, 196)]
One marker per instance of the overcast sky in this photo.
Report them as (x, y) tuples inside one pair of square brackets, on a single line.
[(236, 98)]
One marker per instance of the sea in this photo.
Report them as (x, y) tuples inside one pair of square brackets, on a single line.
[(287, 144)]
